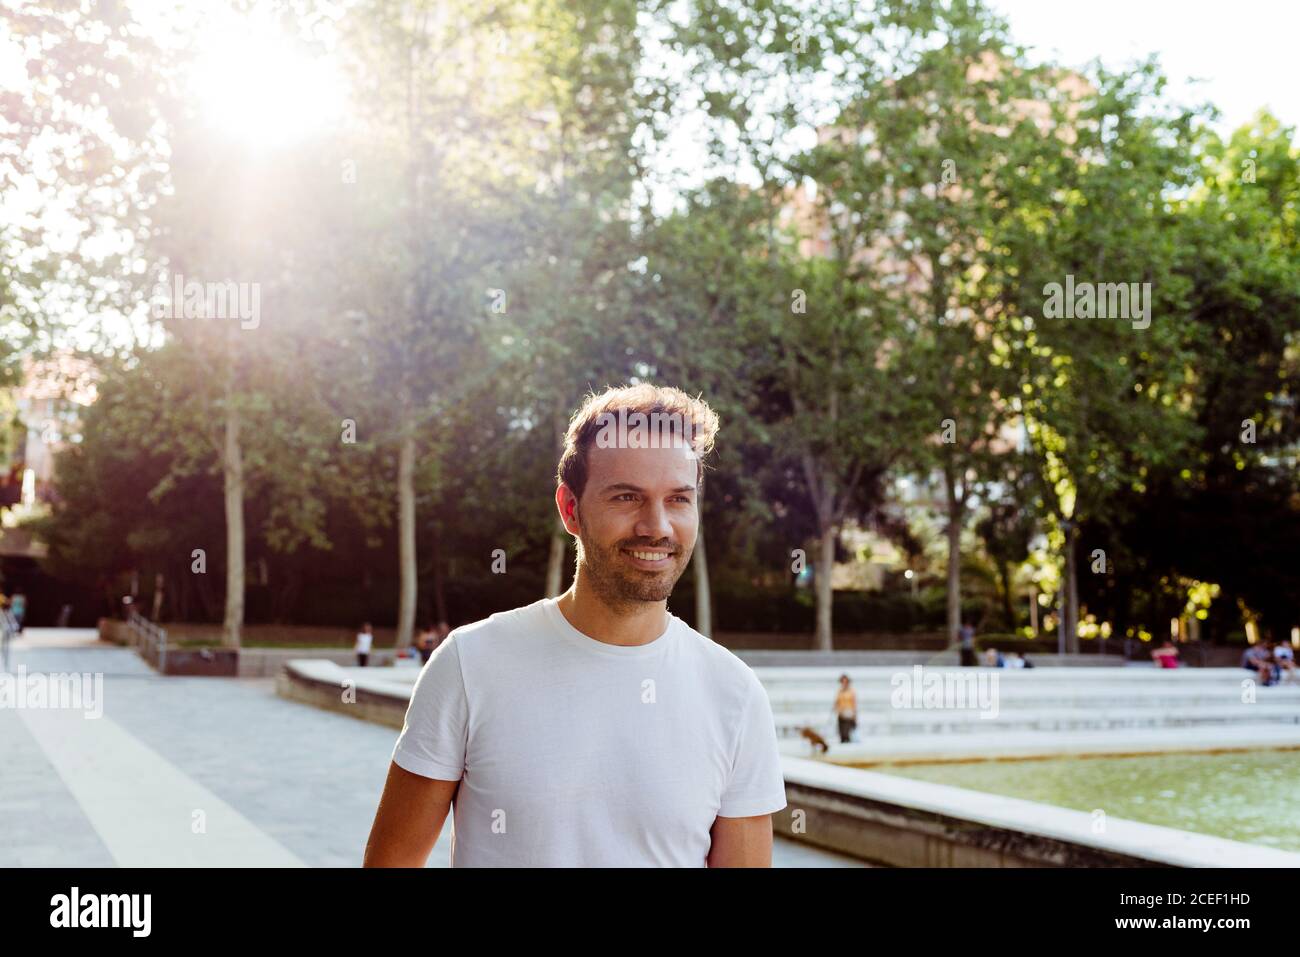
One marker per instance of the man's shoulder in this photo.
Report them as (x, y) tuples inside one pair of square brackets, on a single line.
[(724, 665), (486, 634)]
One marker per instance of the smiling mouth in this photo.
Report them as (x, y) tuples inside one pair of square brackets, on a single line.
[(648, 556)]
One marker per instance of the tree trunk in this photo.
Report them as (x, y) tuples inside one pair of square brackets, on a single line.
[(233, 467), (955, 508), (555, 564), (1071, 610), (406, 539), (439, 595), (1008, 607), (825, 565), (560, 536), (703, 595)]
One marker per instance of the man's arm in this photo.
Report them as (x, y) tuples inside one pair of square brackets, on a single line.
[(409, 820), (741, 842)]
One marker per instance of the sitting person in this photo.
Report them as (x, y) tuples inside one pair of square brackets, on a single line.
[(993, 658), (425, 642), (1258, 659), (1166, 656), (1284, 660)]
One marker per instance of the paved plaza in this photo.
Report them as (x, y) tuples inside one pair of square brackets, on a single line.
[(201, 772)]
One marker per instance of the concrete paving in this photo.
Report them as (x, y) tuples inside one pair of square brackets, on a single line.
[(203, 772)]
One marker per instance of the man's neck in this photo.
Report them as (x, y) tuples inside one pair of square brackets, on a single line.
[(638, 623)]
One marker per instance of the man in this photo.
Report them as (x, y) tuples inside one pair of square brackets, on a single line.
[(595, 729)]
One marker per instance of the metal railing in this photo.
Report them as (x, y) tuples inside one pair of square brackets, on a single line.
[(148, 639)]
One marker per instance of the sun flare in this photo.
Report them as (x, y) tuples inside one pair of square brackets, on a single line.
[(254, 83)]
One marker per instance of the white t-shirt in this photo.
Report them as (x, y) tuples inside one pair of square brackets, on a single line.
[(364, 639), (576, 753)]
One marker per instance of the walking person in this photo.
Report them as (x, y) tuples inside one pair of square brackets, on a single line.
[(846, 709), (595, 729), (365, 640)]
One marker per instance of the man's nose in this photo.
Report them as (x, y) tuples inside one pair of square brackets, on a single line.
[(653, 522)]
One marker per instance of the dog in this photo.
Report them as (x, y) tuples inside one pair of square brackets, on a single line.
[(815, 739)]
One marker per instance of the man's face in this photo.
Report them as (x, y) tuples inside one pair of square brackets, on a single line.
[(636, 522)]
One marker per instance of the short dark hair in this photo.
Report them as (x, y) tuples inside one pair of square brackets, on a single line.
[(681, 411)]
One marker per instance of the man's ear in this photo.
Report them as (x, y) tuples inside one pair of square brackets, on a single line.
[(567, 503)]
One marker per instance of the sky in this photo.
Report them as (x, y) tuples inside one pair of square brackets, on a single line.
[(1244, 51)]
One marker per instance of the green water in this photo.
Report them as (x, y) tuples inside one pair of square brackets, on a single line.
[(1251, 796)]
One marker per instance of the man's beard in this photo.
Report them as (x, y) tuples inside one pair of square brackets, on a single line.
[(622, 586)]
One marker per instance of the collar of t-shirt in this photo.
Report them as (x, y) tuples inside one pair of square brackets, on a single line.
[(561, 626)]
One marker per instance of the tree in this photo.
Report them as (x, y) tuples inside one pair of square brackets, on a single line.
[(1101, 391), (435, 234)]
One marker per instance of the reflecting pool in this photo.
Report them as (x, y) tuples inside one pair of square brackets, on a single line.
[(1251, 796)]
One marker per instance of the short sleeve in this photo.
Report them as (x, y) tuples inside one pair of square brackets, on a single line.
[(757, 785), (434, 735)]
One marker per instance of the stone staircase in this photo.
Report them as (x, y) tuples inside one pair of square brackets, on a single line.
[(1037, 700)]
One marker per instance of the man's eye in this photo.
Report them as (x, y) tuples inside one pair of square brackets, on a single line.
[(624, 495)]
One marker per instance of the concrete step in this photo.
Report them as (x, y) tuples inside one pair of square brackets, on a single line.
[(1084, 677), (783, 701), (1012, 745), (935, 721)]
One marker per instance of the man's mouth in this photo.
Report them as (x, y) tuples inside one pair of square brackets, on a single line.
[(649, 557)]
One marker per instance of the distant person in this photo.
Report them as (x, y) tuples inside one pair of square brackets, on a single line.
[(1258, 661), (1284, 661), (1015, 661), (846, 709), (365, 640), (1166, 656), (993, 658), (1274, 672), (426, 641), (966, 637), (18, 608)]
